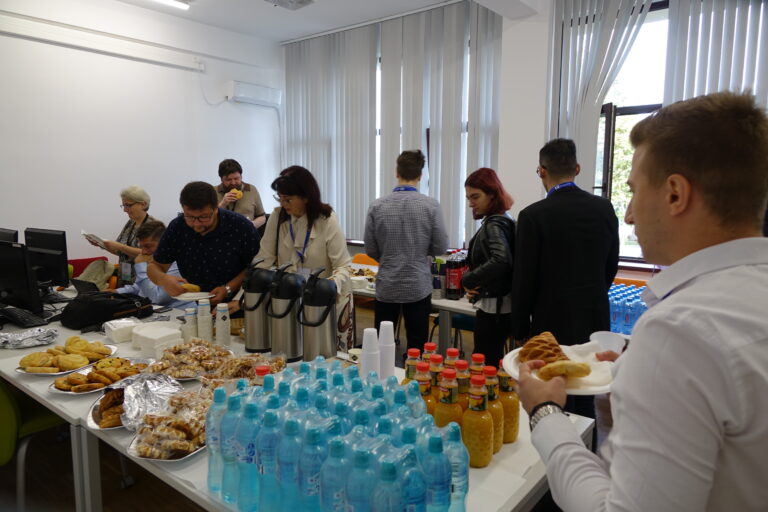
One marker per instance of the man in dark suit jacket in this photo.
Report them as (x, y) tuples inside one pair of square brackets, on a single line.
[(566, 256)]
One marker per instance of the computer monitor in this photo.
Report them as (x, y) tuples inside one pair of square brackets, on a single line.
[(47, 249), (18, 286), (9, 235)]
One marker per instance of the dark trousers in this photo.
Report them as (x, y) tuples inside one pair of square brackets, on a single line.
[(491, 332), (415, 317)]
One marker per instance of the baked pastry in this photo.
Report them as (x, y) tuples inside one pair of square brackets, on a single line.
[(238, 193), (62, 383), (82, 388), (542, 347), (568, 369), (37, 359), (189, 287), (41, 369), (71, 361)]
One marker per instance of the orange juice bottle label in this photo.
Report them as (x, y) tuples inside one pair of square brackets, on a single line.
[(463, 384), (410, 370), (493, 391), (449, 395), (425, 387), (475, 370), (478, 402), (506, 383), (435, 378)]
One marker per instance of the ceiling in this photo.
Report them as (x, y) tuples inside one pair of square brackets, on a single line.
[(262, 19)]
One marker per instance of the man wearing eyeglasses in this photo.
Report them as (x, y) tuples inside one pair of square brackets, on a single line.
[(566, 256), (212, 246)]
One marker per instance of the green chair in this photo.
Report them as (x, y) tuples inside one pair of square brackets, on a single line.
[(22, 417)]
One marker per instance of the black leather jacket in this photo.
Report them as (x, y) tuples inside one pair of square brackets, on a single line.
[(490, 257)]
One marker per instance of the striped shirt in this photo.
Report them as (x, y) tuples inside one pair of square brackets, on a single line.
[(401, 230)]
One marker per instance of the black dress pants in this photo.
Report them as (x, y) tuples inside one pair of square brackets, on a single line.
[(491, 332), (415, 317)]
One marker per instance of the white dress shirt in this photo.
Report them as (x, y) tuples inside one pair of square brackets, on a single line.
[(689, 398)]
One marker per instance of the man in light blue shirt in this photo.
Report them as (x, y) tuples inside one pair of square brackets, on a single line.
[(149, 236)]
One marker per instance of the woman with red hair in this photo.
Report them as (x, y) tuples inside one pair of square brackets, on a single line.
[(488, 282)]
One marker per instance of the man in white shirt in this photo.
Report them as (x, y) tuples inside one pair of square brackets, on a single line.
[(690, 394), (149, 236)]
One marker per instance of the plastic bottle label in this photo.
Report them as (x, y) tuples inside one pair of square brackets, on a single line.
[(410, 370), (313, 485), (248, 454), (506, 383), (449, 395), (478, 402), (463, 384), (493, 391), (425, 387), (435, 378)]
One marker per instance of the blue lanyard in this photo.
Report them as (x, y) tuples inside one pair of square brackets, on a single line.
[(306, 241), (559, 186), (405, 188)]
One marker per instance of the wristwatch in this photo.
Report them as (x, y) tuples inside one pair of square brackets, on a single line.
[(229, 290), (541, 410)]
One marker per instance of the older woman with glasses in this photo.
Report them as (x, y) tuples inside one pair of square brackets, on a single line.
[(135, 203), (306, 232)]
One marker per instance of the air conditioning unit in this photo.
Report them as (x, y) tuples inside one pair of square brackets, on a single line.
[(244, 92)]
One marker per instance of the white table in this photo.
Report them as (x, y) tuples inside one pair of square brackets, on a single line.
[(444, 308), (515, 479)]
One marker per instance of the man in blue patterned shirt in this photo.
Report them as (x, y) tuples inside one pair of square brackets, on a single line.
[(402, 230), (211, 246)]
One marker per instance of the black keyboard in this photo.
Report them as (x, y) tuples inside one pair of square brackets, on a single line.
[(54, 297), (22, 317)]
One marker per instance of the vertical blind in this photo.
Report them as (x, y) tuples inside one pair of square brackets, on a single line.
[(427, 75)]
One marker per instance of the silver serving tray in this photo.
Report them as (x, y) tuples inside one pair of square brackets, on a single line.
[(135, 441), (87, 369), (19, 369), (90, 419)]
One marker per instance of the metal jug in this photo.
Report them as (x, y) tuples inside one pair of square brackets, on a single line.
[(317, 315), (282, 308), (256, 285)]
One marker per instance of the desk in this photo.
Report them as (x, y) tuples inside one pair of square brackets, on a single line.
[(444, 308), (515, 479)]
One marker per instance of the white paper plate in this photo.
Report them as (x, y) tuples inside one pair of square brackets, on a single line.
[(132, 452), (19, 369), (85, 371), (596, 383), (189, 296)]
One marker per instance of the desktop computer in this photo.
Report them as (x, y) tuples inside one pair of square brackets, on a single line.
[(47, 250), (9, 235), (18, 286)]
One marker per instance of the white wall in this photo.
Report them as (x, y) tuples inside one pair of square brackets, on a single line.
[(77, 126), (522, 127)]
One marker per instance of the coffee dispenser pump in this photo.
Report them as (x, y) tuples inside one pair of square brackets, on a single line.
[(317, 315), (257, 284), (282, 308)]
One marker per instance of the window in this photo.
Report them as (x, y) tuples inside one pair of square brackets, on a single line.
[(637, 91)]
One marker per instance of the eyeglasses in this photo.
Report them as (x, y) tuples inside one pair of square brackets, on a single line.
[(198, 218), (283, 200), (126, 206)]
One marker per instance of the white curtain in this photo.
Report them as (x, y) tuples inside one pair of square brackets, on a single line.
[(331, 118), (485, 31), (592, 40), (717, 45)]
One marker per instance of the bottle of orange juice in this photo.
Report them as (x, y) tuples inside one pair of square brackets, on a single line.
[(510, 402), (494, 406), (462, 377), (410, 365), (435, 369), (448, 408), (424, 379), (477, 364), (429, 349), (477, 425), (451, 356)]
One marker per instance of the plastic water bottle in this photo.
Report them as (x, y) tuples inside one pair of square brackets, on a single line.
[(284, 392), (391, 386), (413, 482), (341, 410), (266, 449), (415, 403), (378, 411), (313, 456), (352, 373), (189, 327), (459, 459), (333, 478), (222, 325), (371, 380), (387, 495), (288, 455), (437, 471), (213, 438), (247, 430), (229, 422), (361, 481), (386, 350)]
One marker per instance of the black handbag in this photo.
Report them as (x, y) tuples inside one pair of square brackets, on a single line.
[(89, 310)]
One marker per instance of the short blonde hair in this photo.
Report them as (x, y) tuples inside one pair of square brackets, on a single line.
[(136, 194)]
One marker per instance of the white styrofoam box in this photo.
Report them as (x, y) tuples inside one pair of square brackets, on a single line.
[(136, 333), (121, 330)]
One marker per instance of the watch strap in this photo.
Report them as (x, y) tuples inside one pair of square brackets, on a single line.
[(540, 411)]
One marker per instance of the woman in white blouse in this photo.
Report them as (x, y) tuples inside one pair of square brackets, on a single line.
[(306, 232)]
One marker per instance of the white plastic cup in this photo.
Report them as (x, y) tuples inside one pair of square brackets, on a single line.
[(386, 350), (369, 359)]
